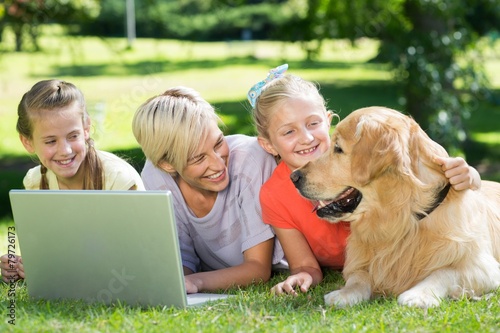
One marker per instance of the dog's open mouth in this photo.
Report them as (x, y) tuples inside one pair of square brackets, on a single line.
[(345, 202)]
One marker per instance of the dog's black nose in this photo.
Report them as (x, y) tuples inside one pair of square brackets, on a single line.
[(296, 178)]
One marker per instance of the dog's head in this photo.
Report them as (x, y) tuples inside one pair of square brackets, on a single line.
[(372, 151)]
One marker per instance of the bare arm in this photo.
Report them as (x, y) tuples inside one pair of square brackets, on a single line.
[(255, 268), (304, 268)]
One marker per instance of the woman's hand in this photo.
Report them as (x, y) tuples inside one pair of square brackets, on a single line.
[(191, 287)]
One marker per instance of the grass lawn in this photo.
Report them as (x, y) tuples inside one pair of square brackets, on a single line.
[(252, 309), (116, 81)]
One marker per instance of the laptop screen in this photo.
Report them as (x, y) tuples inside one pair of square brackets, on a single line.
[(102, 246)]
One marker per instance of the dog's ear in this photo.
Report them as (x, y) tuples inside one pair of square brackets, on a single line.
[(424, 150), (379, 148)]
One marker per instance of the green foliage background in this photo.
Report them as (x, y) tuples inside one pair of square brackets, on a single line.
[(352, 73), (431, 46)]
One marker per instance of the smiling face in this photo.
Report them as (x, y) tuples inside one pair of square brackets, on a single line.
[(59, 142), (206, 171), (298, 131)]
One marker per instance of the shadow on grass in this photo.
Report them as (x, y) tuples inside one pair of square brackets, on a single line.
[(122, 68)]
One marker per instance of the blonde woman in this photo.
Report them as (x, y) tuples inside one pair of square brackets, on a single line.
[(215, 181)]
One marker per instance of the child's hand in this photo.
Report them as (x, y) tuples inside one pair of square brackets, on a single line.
[(302, 280), (459, 173), (12, 269)]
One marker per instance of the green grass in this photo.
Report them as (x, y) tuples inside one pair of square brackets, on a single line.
[(252, 309)]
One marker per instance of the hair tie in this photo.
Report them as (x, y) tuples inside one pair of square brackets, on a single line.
[(256, 90)]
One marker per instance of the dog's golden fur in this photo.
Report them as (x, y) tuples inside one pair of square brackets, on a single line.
[(452, 251)]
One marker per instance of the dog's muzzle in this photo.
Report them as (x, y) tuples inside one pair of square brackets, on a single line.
[(345, 202)]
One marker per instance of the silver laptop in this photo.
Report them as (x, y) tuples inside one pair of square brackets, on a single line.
[(102, 246)]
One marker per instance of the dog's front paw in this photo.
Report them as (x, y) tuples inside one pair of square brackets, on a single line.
[(421, 299), (341, 298)]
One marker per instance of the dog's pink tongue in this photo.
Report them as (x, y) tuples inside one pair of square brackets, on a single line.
[(318, 204)]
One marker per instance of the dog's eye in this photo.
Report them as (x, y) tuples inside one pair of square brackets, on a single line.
[(337, 149)]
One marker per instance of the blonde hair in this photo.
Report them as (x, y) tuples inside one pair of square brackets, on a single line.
[(170, 127), (278, 91), (48, 97)]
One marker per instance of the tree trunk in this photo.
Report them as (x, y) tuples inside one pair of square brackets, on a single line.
[(18, 33)]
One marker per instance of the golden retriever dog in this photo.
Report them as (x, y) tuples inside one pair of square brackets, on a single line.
[(412, 236)]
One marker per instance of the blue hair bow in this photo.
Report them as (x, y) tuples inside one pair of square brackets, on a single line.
[(256, 90)]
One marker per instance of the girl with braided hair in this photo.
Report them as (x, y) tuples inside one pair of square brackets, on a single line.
[(53, 124)]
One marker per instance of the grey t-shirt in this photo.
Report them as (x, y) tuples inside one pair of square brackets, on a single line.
[(234, 224)]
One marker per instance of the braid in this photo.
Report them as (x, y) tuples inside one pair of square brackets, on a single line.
[(93, 178), (44, 184)]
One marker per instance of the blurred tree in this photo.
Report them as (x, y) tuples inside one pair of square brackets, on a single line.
[(25, 16), (199, 20), (307, 25), (433, 47)]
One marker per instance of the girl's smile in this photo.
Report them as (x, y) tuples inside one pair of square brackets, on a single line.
[(307, 151), (66, 162)]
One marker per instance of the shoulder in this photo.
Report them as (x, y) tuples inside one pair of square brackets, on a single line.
[(112, 162), (32, 179), (247, 148), (110, 158), (278, 183), (155, 178), (149, 171), (118, 173), (279, 179), (237, 142), (248, 160)]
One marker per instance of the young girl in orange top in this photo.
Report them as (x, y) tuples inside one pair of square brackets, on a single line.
[(293, 125)]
